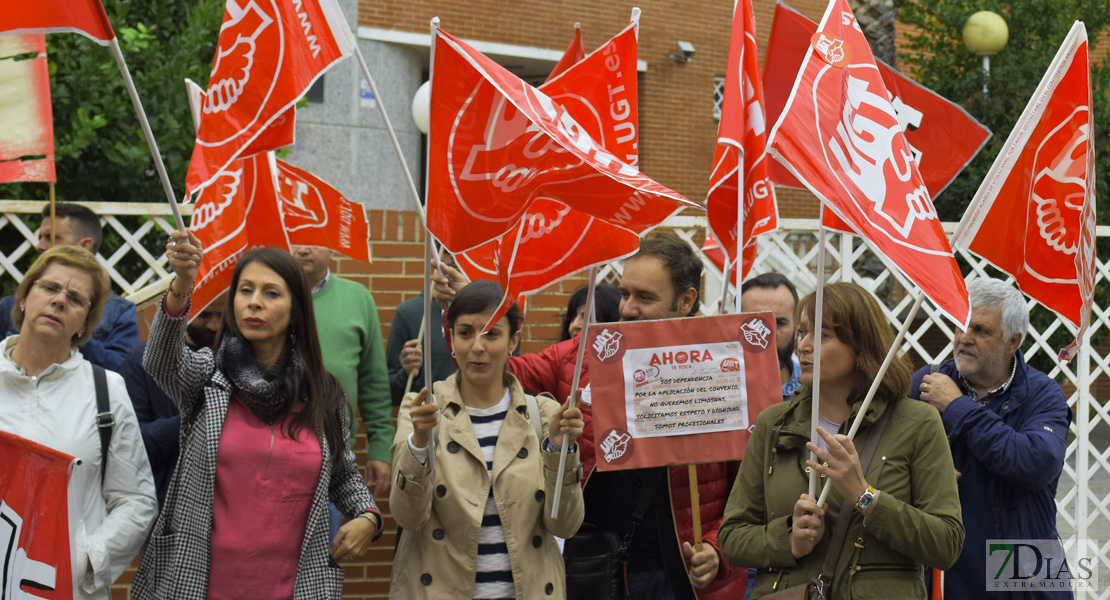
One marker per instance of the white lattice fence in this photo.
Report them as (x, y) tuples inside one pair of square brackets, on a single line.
[(132, 252), (138, 266)]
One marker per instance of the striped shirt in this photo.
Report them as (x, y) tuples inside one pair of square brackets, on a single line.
[(494, 576)]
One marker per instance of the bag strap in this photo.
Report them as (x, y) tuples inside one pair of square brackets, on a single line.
[(104, 419), (534, 416), (844, 517)]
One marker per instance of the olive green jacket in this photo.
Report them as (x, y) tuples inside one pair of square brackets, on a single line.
[(915, 521)]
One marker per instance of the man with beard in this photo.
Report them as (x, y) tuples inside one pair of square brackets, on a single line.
[(159, 418), (1006, 424), (773, 292)]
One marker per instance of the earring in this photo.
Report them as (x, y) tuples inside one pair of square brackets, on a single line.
[(452, 354), (292, 337), (23, 307)]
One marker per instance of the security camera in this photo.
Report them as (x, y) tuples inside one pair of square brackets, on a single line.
[(684, 51)]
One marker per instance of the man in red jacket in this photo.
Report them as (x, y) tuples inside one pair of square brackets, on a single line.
[(660, 282)]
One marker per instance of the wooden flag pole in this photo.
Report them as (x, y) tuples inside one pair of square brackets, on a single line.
[(695, 506), (819, 308), (878, 379), (53, 221), (419, 340), (574, 391), (147, 133)]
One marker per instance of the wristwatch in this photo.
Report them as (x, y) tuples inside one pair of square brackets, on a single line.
[(866, 499)]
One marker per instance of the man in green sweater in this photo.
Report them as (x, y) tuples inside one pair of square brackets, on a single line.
[(351, 341)]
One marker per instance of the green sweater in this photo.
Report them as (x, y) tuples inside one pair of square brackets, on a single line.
[(351, 341)]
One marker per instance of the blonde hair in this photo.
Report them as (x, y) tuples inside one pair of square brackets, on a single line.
[(71, 256)]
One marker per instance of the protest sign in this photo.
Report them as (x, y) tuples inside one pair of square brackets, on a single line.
[(692, 398)]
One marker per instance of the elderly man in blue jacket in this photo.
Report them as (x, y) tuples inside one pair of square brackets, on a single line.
[(1006, 423)]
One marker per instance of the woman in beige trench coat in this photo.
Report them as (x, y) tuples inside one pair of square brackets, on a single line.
[(474, 483)]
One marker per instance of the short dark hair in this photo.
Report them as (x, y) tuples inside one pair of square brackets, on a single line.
[(770, 281), (678, 256), (482, 296), (81, 219), (607, 306)]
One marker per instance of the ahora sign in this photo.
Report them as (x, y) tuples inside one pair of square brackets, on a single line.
[(680, 357)]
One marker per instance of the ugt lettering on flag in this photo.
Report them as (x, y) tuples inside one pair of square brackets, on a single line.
[(840, 136), (740, 175)]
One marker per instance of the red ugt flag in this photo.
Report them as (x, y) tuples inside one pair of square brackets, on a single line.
[(941, 135), (840, 136), (1034, 214), (268, 54), (238, 212), (497, 145), (316, 214), (553, 240), (86, 17), (34, 520), (741, 156)]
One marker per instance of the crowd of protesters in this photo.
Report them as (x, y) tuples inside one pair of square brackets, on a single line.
[(221, 450)]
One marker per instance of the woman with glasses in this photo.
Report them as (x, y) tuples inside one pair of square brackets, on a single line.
[(47, 395)]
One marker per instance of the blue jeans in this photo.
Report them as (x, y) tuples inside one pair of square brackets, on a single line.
[(335, 520)]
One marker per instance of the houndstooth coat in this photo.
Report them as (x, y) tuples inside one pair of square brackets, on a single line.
[(176, 563)]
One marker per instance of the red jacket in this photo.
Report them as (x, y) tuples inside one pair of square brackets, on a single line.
[(552, 371)]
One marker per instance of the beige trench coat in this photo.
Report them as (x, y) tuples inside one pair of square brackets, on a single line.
[(440, 504)]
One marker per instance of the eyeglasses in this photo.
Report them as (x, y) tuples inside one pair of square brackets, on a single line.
[(51, 289)]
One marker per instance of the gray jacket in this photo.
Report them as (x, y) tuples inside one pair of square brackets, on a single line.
[(175, 564)]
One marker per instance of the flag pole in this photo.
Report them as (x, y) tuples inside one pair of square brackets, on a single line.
[(147, 133), (819, 308), (53, 221), (419, 340), (727, 276), (894, 348), (879, 378), (429, 249), (574, 391), (385, 117)]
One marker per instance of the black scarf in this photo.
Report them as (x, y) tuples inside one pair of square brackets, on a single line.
[(269, 395)]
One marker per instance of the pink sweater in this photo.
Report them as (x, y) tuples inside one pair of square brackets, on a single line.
[(264, 487)]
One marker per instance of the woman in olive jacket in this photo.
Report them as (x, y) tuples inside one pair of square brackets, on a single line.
[(475, 472), (907, 509)]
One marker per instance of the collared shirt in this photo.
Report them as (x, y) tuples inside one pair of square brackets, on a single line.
[(792, 386), (320, 284), (974, 395)]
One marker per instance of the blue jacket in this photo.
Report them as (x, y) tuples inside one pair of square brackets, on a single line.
[(117, 334), (1019, 452), (159, 420)]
